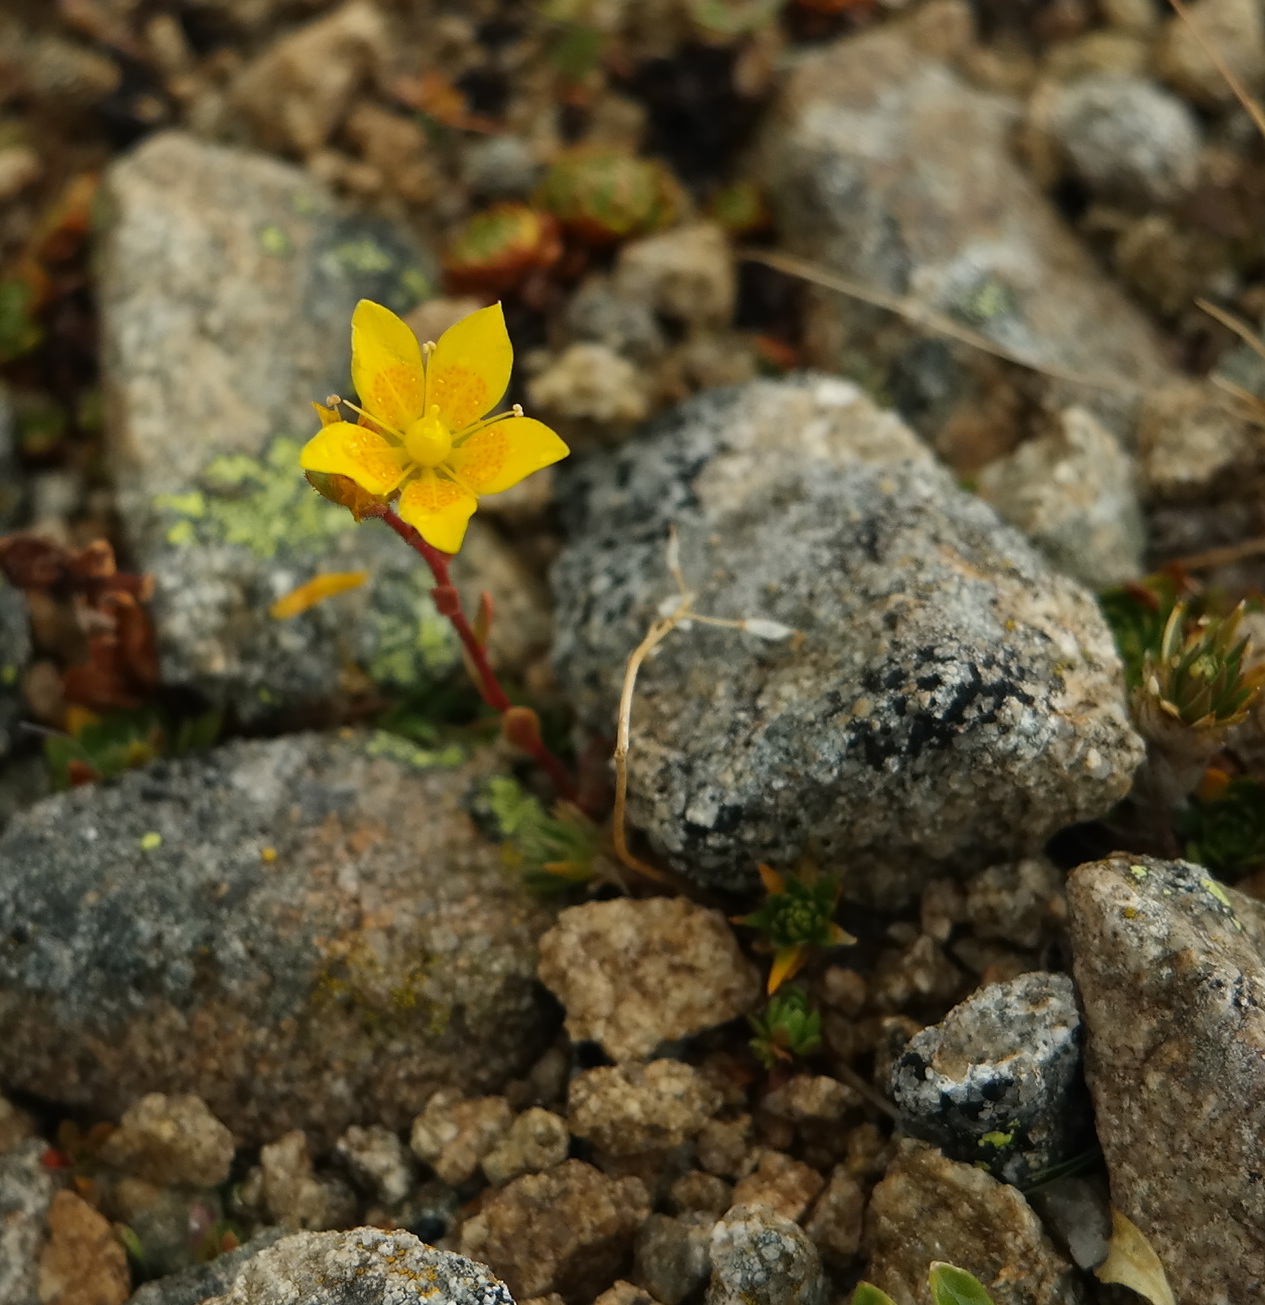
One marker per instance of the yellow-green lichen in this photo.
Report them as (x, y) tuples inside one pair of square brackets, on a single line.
[(261, 504), (999, 1141), (363, 257), (276, 241), (397, 748), (393, 1004), (1139, 872)]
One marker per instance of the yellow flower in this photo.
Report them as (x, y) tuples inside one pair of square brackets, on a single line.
[(424, 433)]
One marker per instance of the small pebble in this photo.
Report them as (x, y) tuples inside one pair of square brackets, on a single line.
[(453, 1135), (537, 1140), (171, 1140)]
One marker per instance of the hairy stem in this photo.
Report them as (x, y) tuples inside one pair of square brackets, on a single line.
[(449, 605)]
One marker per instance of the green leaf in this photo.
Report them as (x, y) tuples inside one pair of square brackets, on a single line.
[(868, 1294), (953, 1286)]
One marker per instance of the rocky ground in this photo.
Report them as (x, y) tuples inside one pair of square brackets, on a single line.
[(295, 1001)]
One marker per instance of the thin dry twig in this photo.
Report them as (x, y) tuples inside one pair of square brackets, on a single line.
[(1223, 556), (1218, 62), (919, 315), (682, 613), (1235, 324)]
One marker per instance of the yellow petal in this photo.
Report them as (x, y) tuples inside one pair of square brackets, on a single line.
[(438, 510), (317, 590), (386, 366), (470, 368), (328, 416), (362, 455), (500, 455)]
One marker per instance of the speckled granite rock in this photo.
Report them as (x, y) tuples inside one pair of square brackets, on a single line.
[(998, 1080), (884, 166), (1170, 968), (27, 1189), (761, 1258), (343, 1268), (226, 289), (634, 973), (952, 702), (302, 931), (930, 1208)]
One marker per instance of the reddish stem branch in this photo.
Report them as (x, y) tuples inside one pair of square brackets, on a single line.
[(448, 602)]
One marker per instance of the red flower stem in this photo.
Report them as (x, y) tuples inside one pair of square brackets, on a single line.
[(449, 604)]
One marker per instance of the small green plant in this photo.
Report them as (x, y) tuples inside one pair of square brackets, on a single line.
[(553, 850), (796, 916), (99, 747), (498, 248), (605, 196), (1199, 674), (949, 1286), (1137, 614), (1224, 824), (789, 1026)]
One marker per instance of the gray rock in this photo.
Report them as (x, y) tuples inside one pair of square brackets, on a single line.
[(1125, 138), (930, 1208), (1076, 1212), (499, 167), (304, 931), (1074, 493), (886, 168), (26, 1191), (200, 1282), (226, 288), (1170, 971), (952, 702), (997, 1081), (15, 654), (365, 1264), (761, 1258), (601, 312), (672, 1257)]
